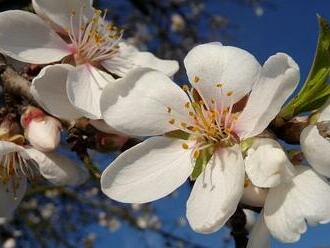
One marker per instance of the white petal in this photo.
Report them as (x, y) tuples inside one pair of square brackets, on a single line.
[(217, 191), (25, 37), (9, 147), (148, 171), (10, 198), (254, 196), (49, 90), (280, 77), (214, 64), (130, 58), (316, 149), (260, 236), (84, 88), (59, 12), (267, 165), (57, 169), (138, 104), (289, 206), (325, 112)]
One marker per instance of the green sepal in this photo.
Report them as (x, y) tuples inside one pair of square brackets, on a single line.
[(178, 134), (200, 163), (246, 144), (316, 89)]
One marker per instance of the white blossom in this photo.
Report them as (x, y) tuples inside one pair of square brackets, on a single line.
[(296, 196), (148, 103), (83, 41), (315, 142)]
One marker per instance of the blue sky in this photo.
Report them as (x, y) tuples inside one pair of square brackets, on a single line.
[(291, 27)]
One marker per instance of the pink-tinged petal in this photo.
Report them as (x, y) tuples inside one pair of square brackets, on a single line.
[(267, 165), (290, 205), (58, 169), (279, 78), (59, 13), (139, 104), (217, 191), (10, 197), (316, 149), (212, 64), (27, 38), (49, 90), (84, 88), (148, 171)]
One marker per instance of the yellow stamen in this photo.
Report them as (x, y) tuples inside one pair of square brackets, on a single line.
[(196, 79), (185, 146)]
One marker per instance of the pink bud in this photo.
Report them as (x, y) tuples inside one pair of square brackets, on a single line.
[(42, 131)]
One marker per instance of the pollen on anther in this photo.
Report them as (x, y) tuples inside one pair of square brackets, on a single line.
[(185, 146), (219, 85), (185, 87), (229, 93), (184, 125), (196, 79), (172, 121), (187, 105), (169, 110), (196, 154)]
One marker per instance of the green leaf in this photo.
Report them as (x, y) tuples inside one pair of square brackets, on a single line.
[(201, 161), (316, 89)]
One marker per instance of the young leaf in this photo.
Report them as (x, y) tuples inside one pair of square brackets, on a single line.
[(201, 161), (316, 89)]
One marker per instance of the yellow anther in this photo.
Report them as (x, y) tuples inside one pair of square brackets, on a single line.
[(73, 13), (196, 154), (185, 146), (191, 113), (219, 85), (184, 125), (246, 182), (185, 87), (187, 105), (229, 93), (172, 121), (196, 79), (169, 110), (212, 101)]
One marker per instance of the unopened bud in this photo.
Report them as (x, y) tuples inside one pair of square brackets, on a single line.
[(42, 131)]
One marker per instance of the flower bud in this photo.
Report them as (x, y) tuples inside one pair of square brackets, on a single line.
[(42, 131), (254, 196)]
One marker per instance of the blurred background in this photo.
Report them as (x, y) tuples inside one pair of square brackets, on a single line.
[(83, 217)]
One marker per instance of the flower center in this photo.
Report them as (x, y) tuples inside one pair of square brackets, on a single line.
[(94, 41), (14, 165), (211, 125)]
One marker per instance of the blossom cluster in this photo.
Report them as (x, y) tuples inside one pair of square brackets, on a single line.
[(213, 131)]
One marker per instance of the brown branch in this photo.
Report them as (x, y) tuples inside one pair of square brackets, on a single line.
[(16, 85)]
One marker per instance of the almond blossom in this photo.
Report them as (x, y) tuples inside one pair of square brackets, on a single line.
[(296, 196), (19, 163), (73, 33), (197, 131), (315, 142)]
